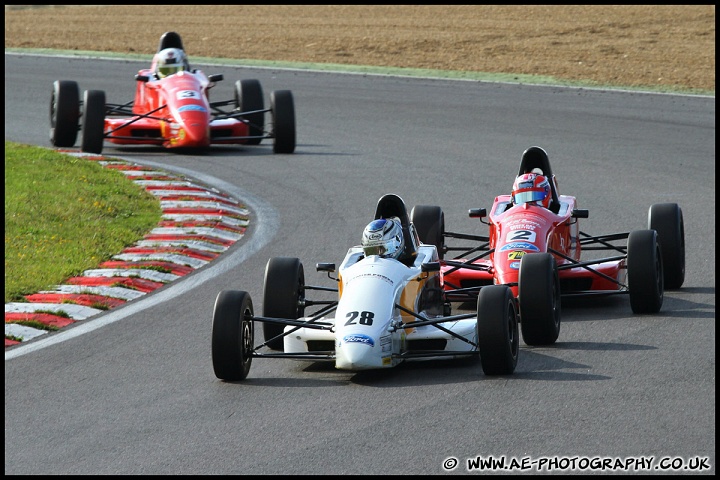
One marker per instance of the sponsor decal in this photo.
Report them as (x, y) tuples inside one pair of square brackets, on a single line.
[(386, 343), (516, 255), (515, 265), (359, 338), (528, 217), (185, 94), (523, 224), (373, 275), (196, 108), (519, 246), (386, 360)]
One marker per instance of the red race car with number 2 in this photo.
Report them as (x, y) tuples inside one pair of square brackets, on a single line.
[(534, 250)]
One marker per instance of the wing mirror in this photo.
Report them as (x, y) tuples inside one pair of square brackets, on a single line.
[(431, 267), (477, 213), (325, 267)]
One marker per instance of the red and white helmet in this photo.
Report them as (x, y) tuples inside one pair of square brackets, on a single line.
[(531, 187)]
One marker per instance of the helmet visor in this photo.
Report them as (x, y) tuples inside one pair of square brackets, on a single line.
[(529, 195), (376, 250), (169, 70)]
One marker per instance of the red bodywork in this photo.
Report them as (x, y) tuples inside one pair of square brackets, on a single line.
[(529, 228), (173, 112)]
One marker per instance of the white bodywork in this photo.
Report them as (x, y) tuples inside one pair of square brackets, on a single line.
[(366, 334)]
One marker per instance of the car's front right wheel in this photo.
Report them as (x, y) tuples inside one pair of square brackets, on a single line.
[(232, 335), (539, 299), (498, 334)]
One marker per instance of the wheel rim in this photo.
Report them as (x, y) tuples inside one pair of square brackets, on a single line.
[(513, 333), (659, 274), (247, 341)]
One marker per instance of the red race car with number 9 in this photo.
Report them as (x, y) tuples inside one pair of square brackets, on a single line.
[(534, 250), (172, 109)]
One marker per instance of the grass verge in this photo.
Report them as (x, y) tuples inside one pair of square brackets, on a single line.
[(64, 215)]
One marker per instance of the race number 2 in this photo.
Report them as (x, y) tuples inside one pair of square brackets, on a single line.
[(521, 236)]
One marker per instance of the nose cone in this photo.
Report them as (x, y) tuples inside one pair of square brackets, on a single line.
[(194, 126), (195, 134), (357, 352)]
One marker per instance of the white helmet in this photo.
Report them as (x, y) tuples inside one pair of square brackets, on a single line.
[(383, 237), (170, 61)]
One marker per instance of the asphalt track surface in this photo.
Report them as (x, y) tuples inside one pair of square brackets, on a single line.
[(136, 393)]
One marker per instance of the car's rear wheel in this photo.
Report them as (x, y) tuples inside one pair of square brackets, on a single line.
[(667, 220), (498, 333), (539, 299), (645, 272), (233, 335), (64, 113), (93, 124), (283, 296), (249, 98), (282, 108), (429, 221)]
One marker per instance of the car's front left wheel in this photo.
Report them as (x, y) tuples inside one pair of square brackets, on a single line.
[(645, 272), (282, 108)]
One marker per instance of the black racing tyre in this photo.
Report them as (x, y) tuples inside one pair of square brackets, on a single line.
[(282, 108), (93, 124), (539, 299), (248, 98), (283, 296), (498, 333), (64, 113), (667, 220), (429, 221), (645, 271), (233, 335)]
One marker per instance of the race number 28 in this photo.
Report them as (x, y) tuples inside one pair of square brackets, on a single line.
[(363, 318)]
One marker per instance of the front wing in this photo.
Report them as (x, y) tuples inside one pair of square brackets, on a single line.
[(313, 338)]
